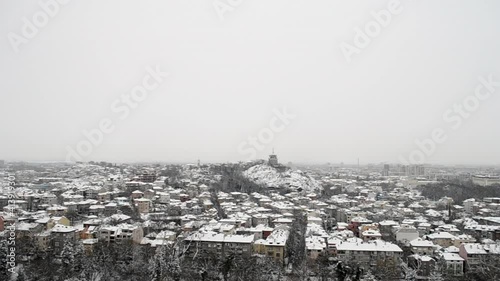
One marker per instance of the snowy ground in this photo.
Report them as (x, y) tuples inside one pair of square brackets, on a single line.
[(271, 177)]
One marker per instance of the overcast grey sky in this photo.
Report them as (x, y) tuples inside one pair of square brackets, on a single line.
[(228, 75)]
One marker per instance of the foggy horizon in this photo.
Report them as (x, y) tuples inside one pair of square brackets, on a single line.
[(215, 80)]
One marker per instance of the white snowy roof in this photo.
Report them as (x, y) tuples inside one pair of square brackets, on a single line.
[(220, 238), (441, 235), (278, 237), (452, 257), (62, 228), (421, 243), (474, 248), (377, 246), (315, 243)]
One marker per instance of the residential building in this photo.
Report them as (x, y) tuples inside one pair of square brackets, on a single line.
[(443, 239), (60, 235), (422, 247), (406, 233), (143, 205), (453, 264), (120, 233), (474, 254), (200, 243), (373, 253)]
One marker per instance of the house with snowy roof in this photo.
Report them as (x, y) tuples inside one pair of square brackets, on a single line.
[(441, 238), (120, 233), (422, 247), (474, 253), (453, 264), (60, 235), (212, 243), (373, 253), (315, 245), (407, 233), (275, 244), (423, 265)]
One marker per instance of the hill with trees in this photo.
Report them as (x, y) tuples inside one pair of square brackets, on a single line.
[(459, 191)]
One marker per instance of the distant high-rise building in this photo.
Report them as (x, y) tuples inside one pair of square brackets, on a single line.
[(2, 163), (412, 170), (385, 172), (419, 170)]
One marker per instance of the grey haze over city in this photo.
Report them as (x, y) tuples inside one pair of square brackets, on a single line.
[(317, 81)]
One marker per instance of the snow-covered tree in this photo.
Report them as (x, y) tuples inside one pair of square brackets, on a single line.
[(296, 244), (165, 264), (4, 274), (70, 260)]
